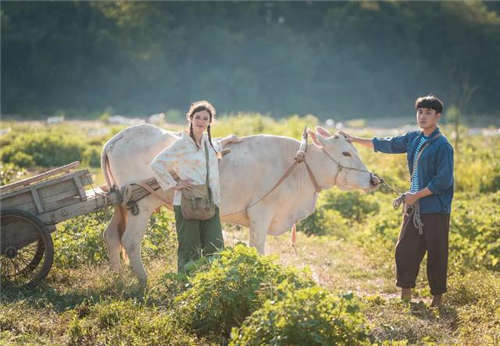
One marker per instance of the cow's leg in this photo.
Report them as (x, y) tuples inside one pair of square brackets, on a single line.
[(112, 239), (260, 219), (134, 232), (131, 240)]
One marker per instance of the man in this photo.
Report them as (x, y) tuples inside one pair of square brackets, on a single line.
[(430, 162)]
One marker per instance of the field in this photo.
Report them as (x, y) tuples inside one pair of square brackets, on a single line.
[(335, 287)]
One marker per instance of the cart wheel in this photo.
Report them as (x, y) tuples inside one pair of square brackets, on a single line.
[(26, 249)]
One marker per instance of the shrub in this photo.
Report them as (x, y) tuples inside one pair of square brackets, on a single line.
[(352, 205), (310, 316), (324, 221), (475, 296), (92, 156), (235, 285), (46, 149), (79, 240), (21, 159), (337, 210), (475, 230), (125, 323), (10, 172)]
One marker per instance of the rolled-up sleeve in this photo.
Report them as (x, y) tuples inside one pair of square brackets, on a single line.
[(217, 142), (161, 169), (444, 177), (391, 145), (165, 162)]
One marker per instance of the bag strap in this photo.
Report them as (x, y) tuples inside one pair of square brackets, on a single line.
[(206, 162), (208, 174)]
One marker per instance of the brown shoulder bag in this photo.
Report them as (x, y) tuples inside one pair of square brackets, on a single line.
[(197, 203)]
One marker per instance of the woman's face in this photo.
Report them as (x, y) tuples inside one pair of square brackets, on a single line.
[(200, 121)]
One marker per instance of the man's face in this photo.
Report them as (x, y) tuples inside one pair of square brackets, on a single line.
[(427, 118)]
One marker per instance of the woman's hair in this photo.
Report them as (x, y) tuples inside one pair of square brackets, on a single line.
[(431, 102), (198, 107)]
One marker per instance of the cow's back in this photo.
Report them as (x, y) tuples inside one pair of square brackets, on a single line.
[(252, 168), (131, 150)]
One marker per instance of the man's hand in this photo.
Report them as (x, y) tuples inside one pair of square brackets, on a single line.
[(411, 198), (367, 142), (348, 137)]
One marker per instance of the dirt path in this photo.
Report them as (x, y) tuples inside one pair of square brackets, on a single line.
[(334, 263)]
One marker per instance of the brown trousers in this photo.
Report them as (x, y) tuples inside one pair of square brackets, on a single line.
[(411, 248)]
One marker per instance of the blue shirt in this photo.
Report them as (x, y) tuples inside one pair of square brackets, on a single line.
[(415, 186), (435, 166)]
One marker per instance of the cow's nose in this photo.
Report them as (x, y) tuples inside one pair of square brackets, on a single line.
[(375, 180)]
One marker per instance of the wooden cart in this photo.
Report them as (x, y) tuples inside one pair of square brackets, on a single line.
[(30, 209)]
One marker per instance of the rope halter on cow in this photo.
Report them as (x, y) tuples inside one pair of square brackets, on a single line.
[(374, 179)]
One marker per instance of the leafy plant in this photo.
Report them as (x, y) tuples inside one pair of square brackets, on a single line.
[(235, 285), (309, 316)]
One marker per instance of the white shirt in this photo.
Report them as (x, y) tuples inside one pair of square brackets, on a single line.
[(187, 161)]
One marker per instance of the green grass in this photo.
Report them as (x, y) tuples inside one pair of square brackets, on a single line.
[(350, 249)]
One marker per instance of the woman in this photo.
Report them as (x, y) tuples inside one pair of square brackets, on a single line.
[(183, 166)]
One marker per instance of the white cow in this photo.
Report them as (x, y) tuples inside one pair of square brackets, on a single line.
[(247, 174)]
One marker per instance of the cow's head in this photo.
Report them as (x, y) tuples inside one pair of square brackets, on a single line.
[(337, 150)]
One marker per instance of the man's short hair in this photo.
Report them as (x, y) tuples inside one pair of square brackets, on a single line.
[(429, 101)]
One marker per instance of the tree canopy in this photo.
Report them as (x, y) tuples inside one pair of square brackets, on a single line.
[(340, 59)]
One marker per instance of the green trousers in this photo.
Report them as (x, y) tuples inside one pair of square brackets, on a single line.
[(197, 238)]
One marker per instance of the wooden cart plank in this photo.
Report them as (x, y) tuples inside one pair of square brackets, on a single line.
[(61, 203), (60, 196), (64, 187), (93, 203), (50, 182), (20, 199), (39, 177), (36, 200), (80, 189)]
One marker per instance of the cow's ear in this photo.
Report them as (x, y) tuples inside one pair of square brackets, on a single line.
[(315, 138), (322, 131)]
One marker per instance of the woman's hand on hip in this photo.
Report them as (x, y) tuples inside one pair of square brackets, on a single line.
[(184, 184)]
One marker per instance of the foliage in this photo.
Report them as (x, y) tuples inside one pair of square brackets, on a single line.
[(477, 167), (92, 156), (310, 316), (336, 211), (46, 149), (237, 294), (10, 172), (79, 241), (125, 323), (143, 57), (475, 231), (475, 294), (235, 285)]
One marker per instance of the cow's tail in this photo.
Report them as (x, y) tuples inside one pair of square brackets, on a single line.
[(120, 211)]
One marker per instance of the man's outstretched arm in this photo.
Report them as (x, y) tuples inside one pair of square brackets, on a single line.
[(388, 145), (367, 142)]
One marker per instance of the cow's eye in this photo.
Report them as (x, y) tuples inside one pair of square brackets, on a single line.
[(345, 153)]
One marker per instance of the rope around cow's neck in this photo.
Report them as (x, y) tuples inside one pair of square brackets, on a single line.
[(341, 166), (413, 210)]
